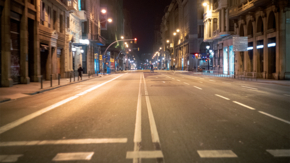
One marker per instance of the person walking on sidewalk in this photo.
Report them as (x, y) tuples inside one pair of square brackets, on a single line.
[(80, 70)]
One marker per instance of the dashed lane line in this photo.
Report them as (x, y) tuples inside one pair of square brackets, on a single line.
[(279, 152), (222, 97), (9, 158), (197, 87), (272, 116), (246, 106), (216, 154), (144, 154), (77, 156), (20, 121)]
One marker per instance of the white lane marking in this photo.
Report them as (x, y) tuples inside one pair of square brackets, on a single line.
[(49, 108), (286, 95), (272, 116), (9, 158), (144, 154), (212, 80), (279, 152), (73, 156), (137, 134), (197, 87), (64, 142), (249, 87), (154, 133), (216, 154), (246, 106), (185, 83), (222, 97)]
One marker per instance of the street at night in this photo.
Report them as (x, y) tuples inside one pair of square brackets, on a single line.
[(155, 81), (161, 116)]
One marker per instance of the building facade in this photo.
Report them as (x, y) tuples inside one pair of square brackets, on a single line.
[(181, 34), (266, 25)]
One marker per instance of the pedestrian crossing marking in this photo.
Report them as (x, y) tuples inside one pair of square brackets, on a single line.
[(216, 154), (73, 156), (280, 152), (144, 154), (9, 158)]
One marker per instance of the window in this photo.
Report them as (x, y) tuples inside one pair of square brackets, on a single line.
[(67, 22), (60, 23), (42, 18), (48, 15), (54, 19), (31, 1)]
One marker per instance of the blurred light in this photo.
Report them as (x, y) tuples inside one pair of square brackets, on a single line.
[(110, 20), (167, 41), (271, 45), (84, 41), (82, 51), (177, 30), (204, 4), (104, 11), (250, 48), (260, 46), (122, 37), (73, 49), (207, 47), (174, 34)]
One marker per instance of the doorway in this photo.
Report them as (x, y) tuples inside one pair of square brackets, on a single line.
[(30, 49), (272, 55), (260, 50), (43, 61), (15, 51)]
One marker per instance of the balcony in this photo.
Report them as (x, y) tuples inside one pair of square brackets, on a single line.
[(98, 39), (245, 7), (83, 15), (72, 6)]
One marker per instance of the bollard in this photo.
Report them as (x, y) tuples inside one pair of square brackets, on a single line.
[(58, 79), (74, 76), (50, 80), (41, 82)]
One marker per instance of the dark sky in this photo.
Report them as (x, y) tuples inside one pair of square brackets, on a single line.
[(143, 14)]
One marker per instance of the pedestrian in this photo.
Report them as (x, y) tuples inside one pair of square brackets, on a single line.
[(152, 68), (80, 70)]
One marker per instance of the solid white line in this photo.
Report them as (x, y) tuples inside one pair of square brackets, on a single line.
[(9, 158), (216, 154), (63, 142), (246, 106), (280, 152), (222, 97), (185, 83), (197, 87), (154, 133), (144, 154), (73, 156), (49, 108), (272, 116)]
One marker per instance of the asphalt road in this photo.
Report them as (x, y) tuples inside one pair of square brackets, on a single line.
[(150, 117)]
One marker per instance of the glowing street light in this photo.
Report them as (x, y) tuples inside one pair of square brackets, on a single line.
[(122, 37), (167, 41), (174, 34), (204, 4), (177, 30), (110, 20), (104, 11)]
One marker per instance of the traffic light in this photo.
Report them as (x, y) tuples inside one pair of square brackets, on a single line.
[(196, 55), (135, 40), (206, 60)]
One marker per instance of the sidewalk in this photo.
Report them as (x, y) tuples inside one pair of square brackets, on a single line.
[(23, 90), (259, 80)]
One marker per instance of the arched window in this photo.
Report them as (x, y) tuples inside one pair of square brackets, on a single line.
[(260, 25), (242, 33), (271, 21), (250, 29)]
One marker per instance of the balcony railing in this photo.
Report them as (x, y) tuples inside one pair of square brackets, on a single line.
[(72, 5), (98, 39)]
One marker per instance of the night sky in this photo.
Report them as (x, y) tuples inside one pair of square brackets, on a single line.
[(143, 14)]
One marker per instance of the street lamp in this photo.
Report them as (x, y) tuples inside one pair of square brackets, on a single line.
[(167, 41), (174, 33), (204, 4), (122, 37), (177, 30), (103, 11), (110, 20)]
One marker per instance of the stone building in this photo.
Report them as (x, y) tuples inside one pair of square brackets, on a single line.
[(181, 34), (19, 50), (266, 25)]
